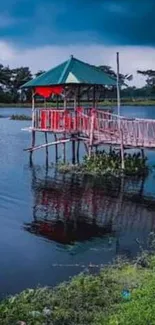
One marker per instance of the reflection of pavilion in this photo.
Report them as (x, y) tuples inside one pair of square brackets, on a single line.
[(69, 232), (69, 210)]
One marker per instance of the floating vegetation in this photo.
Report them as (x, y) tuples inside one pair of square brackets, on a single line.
[(103, 163), (20, 117)]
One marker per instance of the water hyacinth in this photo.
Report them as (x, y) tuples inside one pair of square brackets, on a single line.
[(103, 163)]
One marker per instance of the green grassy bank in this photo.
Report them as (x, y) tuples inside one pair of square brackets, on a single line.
[(108, 103), (122, 294)]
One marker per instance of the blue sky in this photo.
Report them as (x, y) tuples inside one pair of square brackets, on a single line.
[(29, 26)]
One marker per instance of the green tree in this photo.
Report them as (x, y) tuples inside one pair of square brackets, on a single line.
[(19, 76), (39, 73), (150, 77), (123, 78)]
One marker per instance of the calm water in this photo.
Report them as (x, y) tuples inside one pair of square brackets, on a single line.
[(53, 226)]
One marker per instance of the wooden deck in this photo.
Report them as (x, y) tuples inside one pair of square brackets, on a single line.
[(96, 127)]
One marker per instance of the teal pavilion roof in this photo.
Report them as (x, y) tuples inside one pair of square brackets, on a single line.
[(72, 71)]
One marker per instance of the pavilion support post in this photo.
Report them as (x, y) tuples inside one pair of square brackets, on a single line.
[(45, 103), (57, 102), (56, 149), (46, 148), (94, 96)]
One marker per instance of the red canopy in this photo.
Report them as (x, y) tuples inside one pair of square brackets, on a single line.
[(48, 91)]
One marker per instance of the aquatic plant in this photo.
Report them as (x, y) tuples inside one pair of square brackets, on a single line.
[(20, 117), (103, 163)]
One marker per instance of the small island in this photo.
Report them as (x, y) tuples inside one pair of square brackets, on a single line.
[(22, 117)]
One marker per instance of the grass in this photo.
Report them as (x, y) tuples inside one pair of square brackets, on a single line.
[(90, 299), (103, 163), (107, 102), (20, 117)]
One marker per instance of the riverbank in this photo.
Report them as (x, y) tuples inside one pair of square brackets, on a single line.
[(120, 294), (106, 103)]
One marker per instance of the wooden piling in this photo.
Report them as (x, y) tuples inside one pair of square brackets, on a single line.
[(46, 148), (91, 133), (122, 150), (78, 151), (73, 151), (56, 148), (96, 150), (64, 151), (33, 125), (142, 151), (33, 145)]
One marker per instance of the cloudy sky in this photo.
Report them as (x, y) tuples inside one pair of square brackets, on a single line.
[(43, 33)]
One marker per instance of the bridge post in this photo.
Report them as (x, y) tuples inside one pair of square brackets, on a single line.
[(122, 150), (33, 145), (92, 122), (46, 141), (33, 125), (73, 150), (56, 148)]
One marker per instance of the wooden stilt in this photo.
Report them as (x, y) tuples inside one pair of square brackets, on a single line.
[(91, 133), (73, 151), (33, 145), (78, 151), (64, 151), (46, 148), (86, 147), (122, 150), (56, 148), (33, 124), (142, 151)]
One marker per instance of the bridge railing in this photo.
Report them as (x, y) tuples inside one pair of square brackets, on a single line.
[(104, 126), (136, 132)]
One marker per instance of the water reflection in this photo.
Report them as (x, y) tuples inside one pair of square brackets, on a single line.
[(72, 209)]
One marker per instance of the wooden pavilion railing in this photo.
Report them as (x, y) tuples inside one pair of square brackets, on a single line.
[(104, 127)]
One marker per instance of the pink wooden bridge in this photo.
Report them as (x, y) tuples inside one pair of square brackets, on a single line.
[(97, 127)]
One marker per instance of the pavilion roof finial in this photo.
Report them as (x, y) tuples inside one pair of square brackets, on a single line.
[(71, 56)]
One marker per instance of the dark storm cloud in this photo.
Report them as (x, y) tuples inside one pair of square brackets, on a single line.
[(123, 22)]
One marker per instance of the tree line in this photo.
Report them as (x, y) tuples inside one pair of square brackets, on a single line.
[(12, 79)]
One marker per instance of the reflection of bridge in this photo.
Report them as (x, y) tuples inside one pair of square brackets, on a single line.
[(68, 210)]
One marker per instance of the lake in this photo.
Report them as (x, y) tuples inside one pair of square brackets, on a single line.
[(54, 226)]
